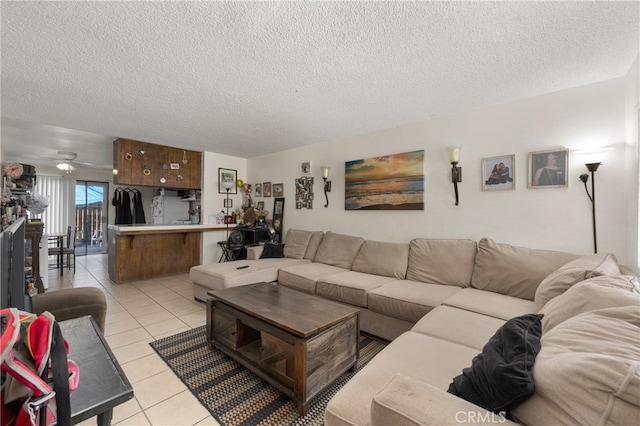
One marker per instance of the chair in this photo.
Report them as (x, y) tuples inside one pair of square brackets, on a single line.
[(232, 248), (68, 250)]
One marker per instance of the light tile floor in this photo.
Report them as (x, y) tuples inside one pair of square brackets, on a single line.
[(138, 313)]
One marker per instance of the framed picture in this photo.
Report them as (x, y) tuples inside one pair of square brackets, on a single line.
[(304, 192), (498, 173), (227, 175), (266, 189), (278, 214), (258, 190), (305, 168), (390, 182), (278, 190), (228, 203), (260, 205), (548, 169)]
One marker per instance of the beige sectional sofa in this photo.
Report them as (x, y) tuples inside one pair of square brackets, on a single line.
[(440, 301)]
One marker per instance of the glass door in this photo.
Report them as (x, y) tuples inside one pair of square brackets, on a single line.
[(91, 217)]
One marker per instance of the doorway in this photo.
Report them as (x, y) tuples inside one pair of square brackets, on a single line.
[(91, 217)]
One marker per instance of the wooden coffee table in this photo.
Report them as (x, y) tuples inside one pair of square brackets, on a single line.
[(297, 342)]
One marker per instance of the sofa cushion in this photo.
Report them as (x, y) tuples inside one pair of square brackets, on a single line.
[(338, 250), (216, 276), (306, 277), (447, 262), (514, 271), (588, 371), (458, 326), (314, 243), (491, 304), (272, 251), (379, 258), (350, 287), (296, 243), (433, 361), (577, 270), (408, 300), (590, 295), (402, 402), (500, 377)]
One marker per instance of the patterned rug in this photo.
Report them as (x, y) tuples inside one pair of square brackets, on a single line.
[(236, 396)]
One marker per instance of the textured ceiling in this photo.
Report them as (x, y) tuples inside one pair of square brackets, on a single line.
[(249, 78)]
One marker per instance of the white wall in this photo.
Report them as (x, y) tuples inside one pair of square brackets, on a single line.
[(213, 202), (632, 158), (558, 218)]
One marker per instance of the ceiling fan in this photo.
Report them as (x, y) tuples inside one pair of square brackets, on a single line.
[(66, 161)]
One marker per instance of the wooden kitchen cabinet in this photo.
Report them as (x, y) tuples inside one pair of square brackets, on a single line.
[(147, 164)]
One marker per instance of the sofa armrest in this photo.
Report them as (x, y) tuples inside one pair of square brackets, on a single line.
[(409, 401), (72, 303), (254, 252)]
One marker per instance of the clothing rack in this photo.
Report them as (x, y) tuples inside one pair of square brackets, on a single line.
[(129, 207)]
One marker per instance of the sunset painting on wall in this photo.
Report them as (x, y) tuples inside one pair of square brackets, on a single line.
[(392, 182)]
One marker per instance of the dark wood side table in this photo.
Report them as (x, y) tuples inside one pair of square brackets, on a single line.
[(103, 385)]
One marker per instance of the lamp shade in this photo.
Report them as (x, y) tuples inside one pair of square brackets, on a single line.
[(228, 184), (325, 172), (593, 156)]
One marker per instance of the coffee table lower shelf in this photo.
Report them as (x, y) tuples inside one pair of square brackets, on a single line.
[(300, 367)]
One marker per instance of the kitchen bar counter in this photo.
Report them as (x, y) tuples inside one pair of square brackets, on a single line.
[(140, 251)]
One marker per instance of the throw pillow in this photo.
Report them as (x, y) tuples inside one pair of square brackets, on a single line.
[(590, 295), (272, 250), (578, 270), (500, 377)]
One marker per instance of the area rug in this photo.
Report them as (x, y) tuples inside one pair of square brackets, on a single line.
[(234, 395)]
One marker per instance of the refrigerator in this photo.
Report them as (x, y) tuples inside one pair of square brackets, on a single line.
[(168, 208)]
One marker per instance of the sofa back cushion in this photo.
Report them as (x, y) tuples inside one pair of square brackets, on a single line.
[(296, 243), (581, 269), (587, 371), (338, 250), (447, 262), (314, 243), (514, 271), (590, 295), (380, 258)]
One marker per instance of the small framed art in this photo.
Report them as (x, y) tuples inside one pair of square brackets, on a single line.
[(548, 169), (266, 189), (228, 203), (498, 173), (305, 167), (278, 190), (258, 190), (227, 175), (260, 205)]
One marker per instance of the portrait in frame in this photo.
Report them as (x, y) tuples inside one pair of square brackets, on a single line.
[(548, 169), (498, 173)]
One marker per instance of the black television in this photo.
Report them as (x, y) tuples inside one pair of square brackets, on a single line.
[(12, 288)]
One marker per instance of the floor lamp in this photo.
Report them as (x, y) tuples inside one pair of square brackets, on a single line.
[(227, 203), (592, 163)]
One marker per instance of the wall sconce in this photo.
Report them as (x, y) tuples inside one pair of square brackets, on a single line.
[(456, 172), (327, 183), (593, 159)]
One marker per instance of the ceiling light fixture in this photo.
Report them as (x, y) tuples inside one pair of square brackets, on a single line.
[(66, 167)]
